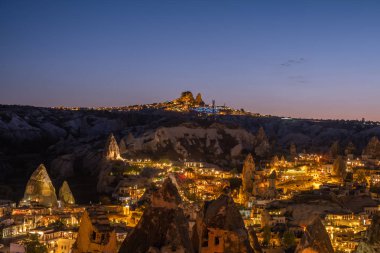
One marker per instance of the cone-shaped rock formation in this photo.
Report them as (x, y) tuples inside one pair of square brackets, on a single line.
[(39, 189), (111, 151), (220, 228), (65, 194), (163, 226)]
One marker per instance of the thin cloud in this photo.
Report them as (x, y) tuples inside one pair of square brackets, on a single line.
[(298, 80), (292, 62)]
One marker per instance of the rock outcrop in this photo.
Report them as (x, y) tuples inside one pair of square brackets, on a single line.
[(374, 231), (334, 149), (372, 150), (63, 166), (315, 239), (255, 244), (65, 195), (365, 247), (186, 98), (219, 227), (194, 142), (293, 150), (39, 190), (122, 146), (95, 233), (372, 242), (339, 167), (111, 151), (262, 143), (163, 226), (350, 149), (247, 175), (199, 100)]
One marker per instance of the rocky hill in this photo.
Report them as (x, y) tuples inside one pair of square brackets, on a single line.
[(71, 142), (215, 143)]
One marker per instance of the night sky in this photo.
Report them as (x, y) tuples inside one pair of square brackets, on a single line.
[(314, 59)]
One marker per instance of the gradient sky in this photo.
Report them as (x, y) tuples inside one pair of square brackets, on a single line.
[(314, 59)]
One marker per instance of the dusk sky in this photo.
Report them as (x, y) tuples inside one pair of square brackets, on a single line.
[(313, 59)]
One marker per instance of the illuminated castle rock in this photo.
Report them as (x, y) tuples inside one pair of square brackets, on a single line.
[(39, 190), (65, 195), (95, 233), (111, 151), (186, 98), (220, 228), (163, 226)]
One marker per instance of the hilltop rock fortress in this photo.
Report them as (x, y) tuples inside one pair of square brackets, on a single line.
[(315, 239), (111, 151), (65, 195), (220, 228), (39, 190), (163, 226)]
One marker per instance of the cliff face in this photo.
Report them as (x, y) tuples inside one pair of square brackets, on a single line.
[(39, 189), (315, 239), (163, 226), (215, 142), (220, 228)]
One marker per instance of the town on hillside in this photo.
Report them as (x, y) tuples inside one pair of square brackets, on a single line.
[(293, 202)]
